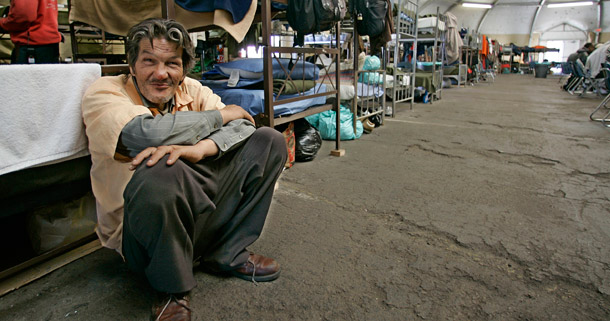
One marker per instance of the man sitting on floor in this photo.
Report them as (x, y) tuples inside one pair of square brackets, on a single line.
[(178, 176)]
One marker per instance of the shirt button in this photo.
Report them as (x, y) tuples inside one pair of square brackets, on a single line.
[(198, 137), (240, 136), (225, 146)]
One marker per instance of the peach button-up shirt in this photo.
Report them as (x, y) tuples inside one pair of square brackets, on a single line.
[(108, 105)]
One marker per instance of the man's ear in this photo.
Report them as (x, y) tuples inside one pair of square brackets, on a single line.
[(131, 71)]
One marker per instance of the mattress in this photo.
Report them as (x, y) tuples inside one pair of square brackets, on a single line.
[(250, 71), (364, 90), (44, 124), (253, 100), (430, 22), (428, 80)]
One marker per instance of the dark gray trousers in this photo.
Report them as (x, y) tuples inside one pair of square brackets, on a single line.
[(208, 211)]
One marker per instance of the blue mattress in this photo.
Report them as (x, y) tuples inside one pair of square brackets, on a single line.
[(250, 71), (253, 100)]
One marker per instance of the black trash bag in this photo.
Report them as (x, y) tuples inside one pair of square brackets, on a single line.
[(307, 141)]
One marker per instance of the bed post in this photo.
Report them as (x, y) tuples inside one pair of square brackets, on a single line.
[(167, 9), (337, 104), (269, 113), (356, 51)]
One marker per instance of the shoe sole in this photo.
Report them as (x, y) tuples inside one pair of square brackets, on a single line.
[(259, 278)]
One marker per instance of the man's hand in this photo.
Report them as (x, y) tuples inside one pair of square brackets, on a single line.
[(233, 112), (193, 154)]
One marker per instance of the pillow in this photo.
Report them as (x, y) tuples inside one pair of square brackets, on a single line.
[(302, 70), (252, 68), (248, 68)]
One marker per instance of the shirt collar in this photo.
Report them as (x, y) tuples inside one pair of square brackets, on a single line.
[(168, 107), (180, 101)]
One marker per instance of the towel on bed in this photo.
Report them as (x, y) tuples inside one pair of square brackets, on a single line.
[(42, 121)]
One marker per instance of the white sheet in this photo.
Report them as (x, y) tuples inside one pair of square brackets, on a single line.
[(430, 22), (41, 119)]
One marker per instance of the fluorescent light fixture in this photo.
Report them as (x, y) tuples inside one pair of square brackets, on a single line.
[(569, 4), (477, 5)]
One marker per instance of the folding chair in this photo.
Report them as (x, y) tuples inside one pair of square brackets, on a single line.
[(588, 83), (606, 119), (566, 71), (486, 75), (579, 76)]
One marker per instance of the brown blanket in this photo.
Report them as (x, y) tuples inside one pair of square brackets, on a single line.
[(117, 16)]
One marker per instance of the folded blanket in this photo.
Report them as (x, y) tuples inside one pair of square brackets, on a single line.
[(288, 87), (42, 120)]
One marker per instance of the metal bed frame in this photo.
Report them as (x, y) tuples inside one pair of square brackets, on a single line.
[(271, 52), (406, 32)]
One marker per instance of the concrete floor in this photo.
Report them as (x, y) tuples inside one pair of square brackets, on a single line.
[(489, 204)]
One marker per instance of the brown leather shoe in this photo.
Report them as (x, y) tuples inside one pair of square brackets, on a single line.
[(172, 308), (258, 268)]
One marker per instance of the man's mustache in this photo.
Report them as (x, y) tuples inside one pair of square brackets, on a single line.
[(166, 82)]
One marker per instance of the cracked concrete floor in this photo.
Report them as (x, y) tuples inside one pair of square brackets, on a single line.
[(489, 204)]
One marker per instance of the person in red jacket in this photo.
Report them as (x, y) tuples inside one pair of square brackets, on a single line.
[(33, 27)]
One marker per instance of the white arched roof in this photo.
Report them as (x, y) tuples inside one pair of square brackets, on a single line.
[(528, 18)]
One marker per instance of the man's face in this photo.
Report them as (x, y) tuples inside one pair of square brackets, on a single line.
[(158, 70)]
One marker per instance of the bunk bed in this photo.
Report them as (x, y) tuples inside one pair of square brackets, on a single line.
[(277, 92), (46, 207), (269, 109), (470, 56), (431, 32), (403, 67), (370, 82), (272, 56), (364, 80), (455, 70)]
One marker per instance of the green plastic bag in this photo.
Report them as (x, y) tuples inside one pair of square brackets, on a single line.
[(326, 123), (371, 78)]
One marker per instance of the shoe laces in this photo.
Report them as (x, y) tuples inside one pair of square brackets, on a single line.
[(171, 298), (253, 271)]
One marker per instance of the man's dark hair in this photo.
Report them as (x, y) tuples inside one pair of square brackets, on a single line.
[(153, 28), (589, 45)]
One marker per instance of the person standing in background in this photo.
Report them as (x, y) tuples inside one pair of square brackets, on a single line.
[(33, 27)]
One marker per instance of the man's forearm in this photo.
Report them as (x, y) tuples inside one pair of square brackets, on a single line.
[(232, 135), (182, 128)]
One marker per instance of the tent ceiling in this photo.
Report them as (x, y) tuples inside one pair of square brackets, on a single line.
[(524, 17)]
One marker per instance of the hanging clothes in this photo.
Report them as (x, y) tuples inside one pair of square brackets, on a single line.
[(454, 41), (237, 8), (104, 14), (379, 41), (484, 51)]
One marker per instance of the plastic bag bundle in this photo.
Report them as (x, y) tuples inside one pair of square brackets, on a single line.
[(325, 122), (308, 141)]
